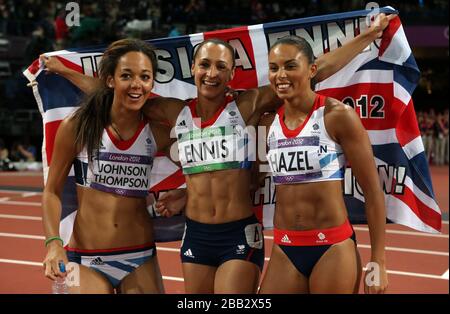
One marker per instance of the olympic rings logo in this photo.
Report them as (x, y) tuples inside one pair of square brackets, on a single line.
[(290, 178)]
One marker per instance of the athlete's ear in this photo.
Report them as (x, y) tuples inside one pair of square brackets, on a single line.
[(232, 73), (153, 81), (110, 81), (192, 68), (312, 70)]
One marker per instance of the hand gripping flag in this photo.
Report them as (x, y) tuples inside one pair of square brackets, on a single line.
[(378, 83)]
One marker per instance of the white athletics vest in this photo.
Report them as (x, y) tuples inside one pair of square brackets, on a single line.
[(306, 154), (119, 167), (218, 144)]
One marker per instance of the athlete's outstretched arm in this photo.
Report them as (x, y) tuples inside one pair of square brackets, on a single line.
[(160, 109), (163, 109), (64, 152), (333, 61), (264, 99), (253, 103), (267, 99), (85, 83), (345, 127)]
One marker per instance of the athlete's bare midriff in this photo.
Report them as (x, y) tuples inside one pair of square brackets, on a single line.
[(309, 206), (106, 221), (219, 196)]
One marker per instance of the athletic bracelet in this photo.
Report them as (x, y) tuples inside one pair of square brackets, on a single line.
[(53, 238)]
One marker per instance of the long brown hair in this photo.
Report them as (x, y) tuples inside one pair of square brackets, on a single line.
[(94, 113)]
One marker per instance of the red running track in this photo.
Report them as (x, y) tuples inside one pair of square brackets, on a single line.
[(417, 262)]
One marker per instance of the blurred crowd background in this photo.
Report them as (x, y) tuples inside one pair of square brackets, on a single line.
[(31, 27)]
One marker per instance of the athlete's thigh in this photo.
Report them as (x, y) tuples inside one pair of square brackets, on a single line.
[(336, 271), (90, 282), (359, 271), (198, 278), (144, 279), (237, 276), (281, 275)]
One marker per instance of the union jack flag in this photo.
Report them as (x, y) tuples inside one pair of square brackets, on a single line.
[(378, 83)]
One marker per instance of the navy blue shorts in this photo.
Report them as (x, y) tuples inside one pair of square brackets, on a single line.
[(215, 244), (305, 258)]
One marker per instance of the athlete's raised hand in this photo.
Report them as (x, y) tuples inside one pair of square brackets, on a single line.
[(381, 22), (52, 64)]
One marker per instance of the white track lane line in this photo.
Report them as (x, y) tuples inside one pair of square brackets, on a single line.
[(13, 261), (28, 194), (400, 249), (20, 203), (410, 274), (394, 249), (394, 272), (445, 275), (362, 246), (21, 195), (173, 278), (20, 217), (29, 263), (403, 232), (19, 192), (23, 236), (167, 249), (30, 173), (412, 233)]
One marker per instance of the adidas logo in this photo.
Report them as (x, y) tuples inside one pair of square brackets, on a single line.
[(188, 253), (232, 113), (272, 136), (182, 123), (315, 126), (321, 236), (97, 261), (272, 141), (240, 249), (285, 239)]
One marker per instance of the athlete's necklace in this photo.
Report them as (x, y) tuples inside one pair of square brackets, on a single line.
[(117, 132)]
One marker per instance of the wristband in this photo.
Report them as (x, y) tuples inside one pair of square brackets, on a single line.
[(47, 241)]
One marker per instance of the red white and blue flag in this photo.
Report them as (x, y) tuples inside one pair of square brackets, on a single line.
[(378, 83)]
